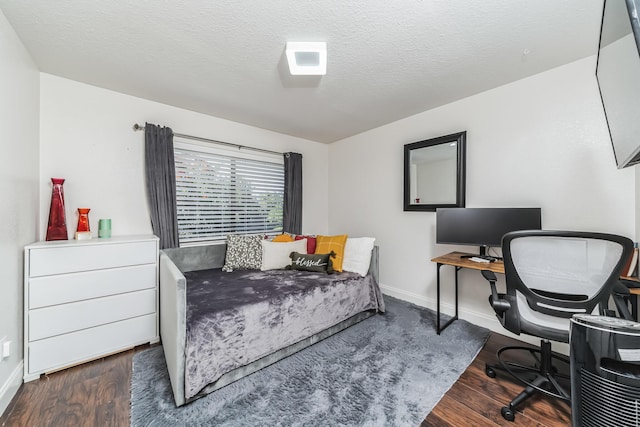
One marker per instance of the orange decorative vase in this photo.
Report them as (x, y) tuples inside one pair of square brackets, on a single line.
[(83, 220), (57, 225)]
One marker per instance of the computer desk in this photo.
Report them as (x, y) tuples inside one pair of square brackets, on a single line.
[(455, 259)]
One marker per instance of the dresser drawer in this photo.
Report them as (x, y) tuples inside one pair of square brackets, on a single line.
[(69, 259), (64, 288), (64, 350), (61, 319)]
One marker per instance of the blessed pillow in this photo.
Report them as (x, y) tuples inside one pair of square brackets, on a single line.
[(357, 255), (326, 244), (312, 262), (311, 243), (275, 255), (244, 252), (283, 238)]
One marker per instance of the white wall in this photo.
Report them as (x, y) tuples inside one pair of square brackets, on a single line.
[(86, 137), (19, 86), (541, 141)]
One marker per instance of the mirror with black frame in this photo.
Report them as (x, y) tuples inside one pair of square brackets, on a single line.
[(434, 173)]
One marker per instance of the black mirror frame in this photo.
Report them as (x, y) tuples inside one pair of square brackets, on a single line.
[(461, 139)]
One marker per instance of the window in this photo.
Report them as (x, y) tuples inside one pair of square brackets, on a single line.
[(221, 192)]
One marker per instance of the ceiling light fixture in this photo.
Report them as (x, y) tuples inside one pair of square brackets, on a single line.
[(307, 58)]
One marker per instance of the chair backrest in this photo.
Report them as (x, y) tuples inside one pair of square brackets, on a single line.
[(552, 275)]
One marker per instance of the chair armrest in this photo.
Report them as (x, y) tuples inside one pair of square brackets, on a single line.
[(489, 275), (499, 305), (629, 283), (619, 295), (621, 288)]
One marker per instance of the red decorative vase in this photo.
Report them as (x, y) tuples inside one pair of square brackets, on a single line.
[(57, 226), (83, 219)]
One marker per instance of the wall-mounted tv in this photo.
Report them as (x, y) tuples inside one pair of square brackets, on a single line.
[(483, 227), (618, 75)]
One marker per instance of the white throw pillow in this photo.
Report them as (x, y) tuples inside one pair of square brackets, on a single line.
[(275, 255), (357, 255)]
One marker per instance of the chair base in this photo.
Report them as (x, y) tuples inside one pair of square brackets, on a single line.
[(544, 375)]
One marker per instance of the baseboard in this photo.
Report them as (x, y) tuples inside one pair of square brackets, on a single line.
[(10, 387), (481, 319)]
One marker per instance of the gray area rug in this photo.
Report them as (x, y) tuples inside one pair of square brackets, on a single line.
[(388, 370)]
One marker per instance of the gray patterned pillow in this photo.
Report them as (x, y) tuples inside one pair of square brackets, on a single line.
[(243, 253)]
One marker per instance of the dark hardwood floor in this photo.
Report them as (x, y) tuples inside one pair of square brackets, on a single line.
[(97, 394), (476, 400)]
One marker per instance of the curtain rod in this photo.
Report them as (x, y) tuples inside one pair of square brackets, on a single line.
[(137, 127)]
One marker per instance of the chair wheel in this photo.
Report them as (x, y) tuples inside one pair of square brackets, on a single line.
[(507, 413), (491, 373)]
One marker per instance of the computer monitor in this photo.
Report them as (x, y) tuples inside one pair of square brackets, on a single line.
[(483, 227)]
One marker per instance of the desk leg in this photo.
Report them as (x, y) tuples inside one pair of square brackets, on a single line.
[(455, 317), (438, 298)]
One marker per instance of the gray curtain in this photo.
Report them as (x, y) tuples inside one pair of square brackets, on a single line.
[(160, 172), (292, 216)]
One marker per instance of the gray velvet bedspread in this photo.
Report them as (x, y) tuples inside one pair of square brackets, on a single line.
[(236, 318)]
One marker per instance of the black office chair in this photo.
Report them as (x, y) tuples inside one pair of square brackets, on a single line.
[(550, 275)]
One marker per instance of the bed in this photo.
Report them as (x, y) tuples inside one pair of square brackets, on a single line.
[(218, 327)]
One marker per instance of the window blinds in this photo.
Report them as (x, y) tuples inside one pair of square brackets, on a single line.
[(218, 194)]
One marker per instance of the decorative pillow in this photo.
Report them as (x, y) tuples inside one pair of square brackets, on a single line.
[(326, 244), (312, 262), (283, 238), (275, 255), (311, 243), (357, 255), (243, 253)]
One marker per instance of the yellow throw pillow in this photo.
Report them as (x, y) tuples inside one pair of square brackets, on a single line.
[(326, 244), (285, 238)]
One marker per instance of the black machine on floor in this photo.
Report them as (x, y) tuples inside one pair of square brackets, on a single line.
[(605, 371)]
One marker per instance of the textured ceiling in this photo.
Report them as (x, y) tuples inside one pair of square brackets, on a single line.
[(386, 59)]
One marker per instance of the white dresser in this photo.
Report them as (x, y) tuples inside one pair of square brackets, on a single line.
[(86, 299)]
